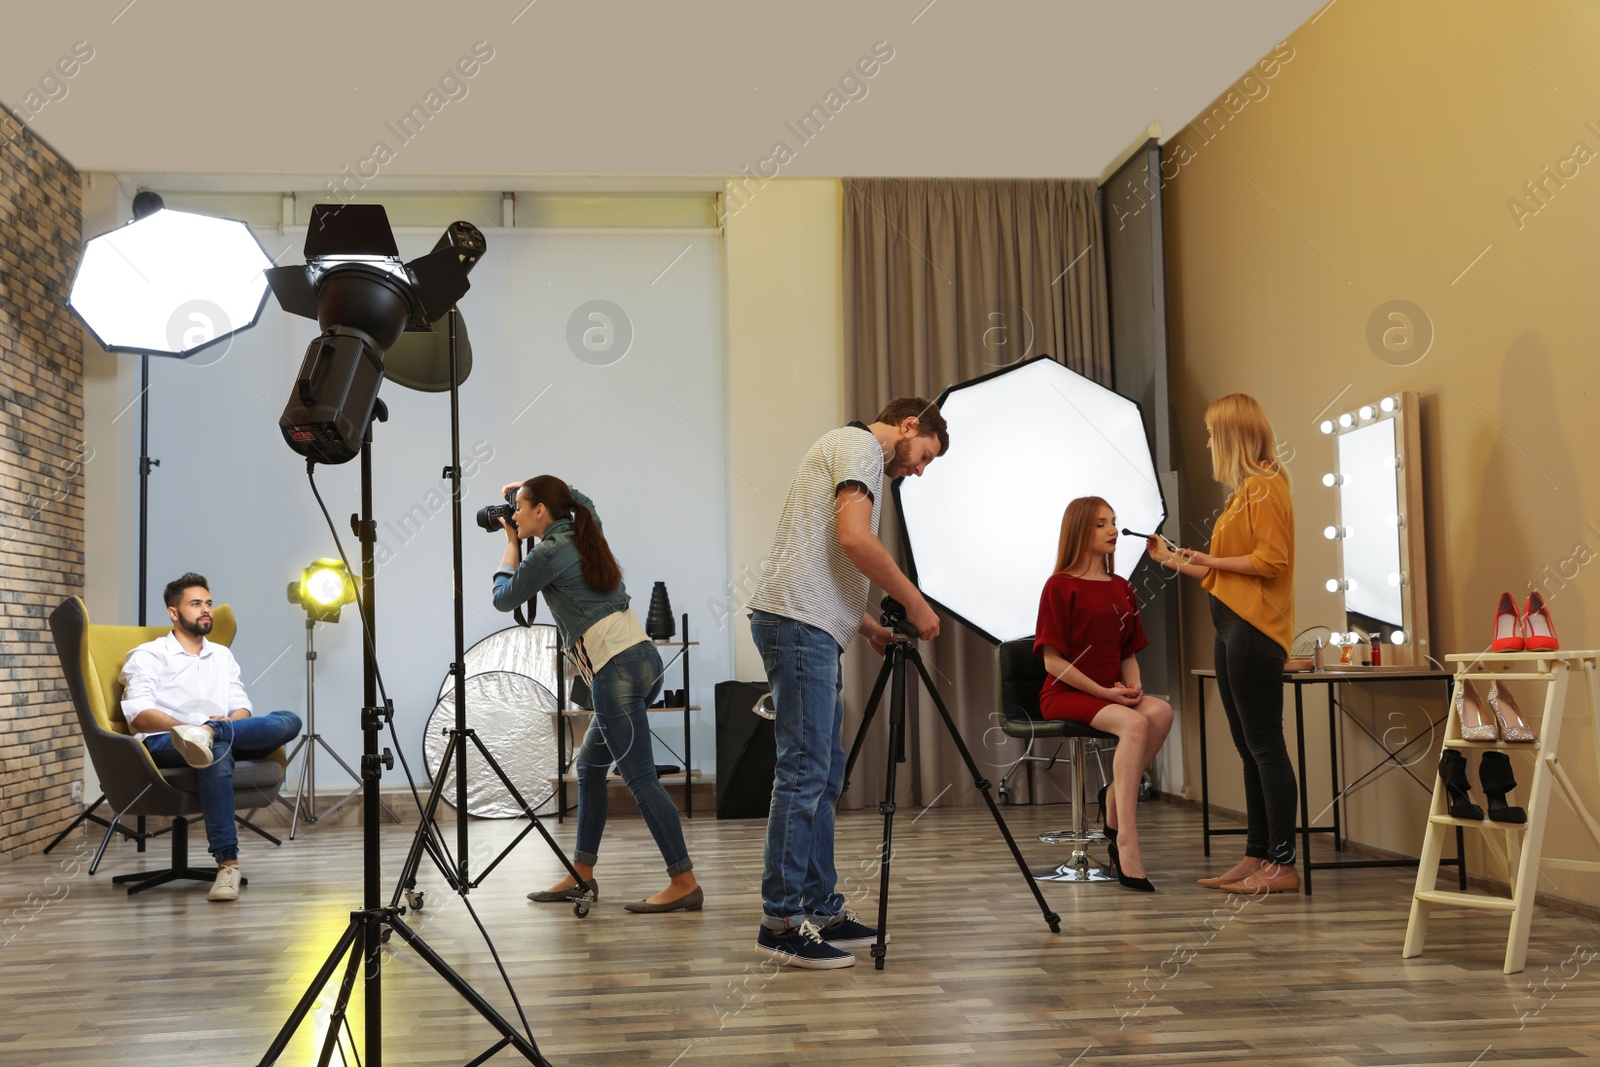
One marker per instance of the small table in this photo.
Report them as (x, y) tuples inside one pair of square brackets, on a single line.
[(1331, 678)]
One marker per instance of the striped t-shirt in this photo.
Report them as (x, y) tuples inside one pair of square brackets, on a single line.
[(809, 577)]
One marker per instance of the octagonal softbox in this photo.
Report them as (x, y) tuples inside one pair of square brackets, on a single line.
[(981, 525)]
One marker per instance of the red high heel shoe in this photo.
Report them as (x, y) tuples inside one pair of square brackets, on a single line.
[(1536, 625), (1507, 627)]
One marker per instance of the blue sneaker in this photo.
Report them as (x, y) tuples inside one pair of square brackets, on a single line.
[(802, 948), (847, 931)]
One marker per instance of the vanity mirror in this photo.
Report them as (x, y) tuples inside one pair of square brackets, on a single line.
[(1382, 575)]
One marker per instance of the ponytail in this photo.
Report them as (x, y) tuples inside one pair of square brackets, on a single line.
[(601, 572)]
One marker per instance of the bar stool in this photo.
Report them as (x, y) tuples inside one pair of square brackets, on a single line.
[(1021, 676)]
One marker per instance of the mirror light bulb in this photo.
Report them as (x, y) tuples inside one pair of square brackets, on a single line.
[(1387, 404), (1336, 639), (1398, 637), (1366, 411), (1332, 585), (1330, 480), (1347, 420), (1394, 578), (1327, 426)]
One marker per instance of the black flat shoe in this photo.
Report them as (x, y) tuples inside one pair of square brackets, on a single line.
[(571, 893), (1143, 885)]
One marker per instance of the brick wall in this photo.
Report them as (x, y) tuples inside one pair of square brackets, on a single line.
[(41, 482)]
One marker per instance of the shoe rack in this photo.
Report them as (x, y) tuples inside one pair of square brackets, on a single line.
[(1540, 760), (566, 754)]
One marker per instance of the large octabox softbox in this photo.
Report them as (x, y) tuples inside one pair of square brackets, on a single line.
[(982, 523)]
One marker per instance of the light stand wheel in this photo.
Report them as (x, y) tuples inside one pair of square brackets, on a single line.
[(415, 898), (580, 908)]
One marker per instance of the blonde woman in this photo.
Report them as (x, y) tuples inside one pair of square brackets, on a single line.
[(1249, 572), (1087, 635)]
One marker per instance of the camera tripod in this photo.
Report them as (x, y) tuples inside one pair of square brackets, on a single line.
[(363, 938), (458, 874), (893, 676)]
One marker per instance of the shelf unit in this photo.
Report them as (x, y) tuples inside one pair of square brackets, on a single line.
[(1521, 844), (565, 713)]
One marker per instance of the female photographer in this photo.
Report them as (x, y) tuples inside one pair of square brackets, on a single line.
[(1087, 634), (1249, 572), (573, 567)]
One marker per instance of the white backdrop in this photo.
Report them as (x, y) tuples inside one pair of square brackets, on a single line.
[(643, 434)]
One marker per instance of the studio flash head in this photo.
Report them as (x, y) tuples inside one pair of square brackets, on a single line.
[(489, 518), (365, 299)]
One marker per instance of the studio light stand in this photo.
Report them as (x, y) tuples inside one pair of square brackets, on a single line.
[(901, 651), (458, 874), (361, 943), (305, 796)]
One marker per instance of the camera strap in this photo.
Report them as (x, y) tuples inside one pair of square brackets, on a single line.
[(524, 547)]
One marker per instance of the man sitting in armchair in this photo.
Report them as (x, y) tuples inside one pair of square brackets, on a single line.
[(182, 698)]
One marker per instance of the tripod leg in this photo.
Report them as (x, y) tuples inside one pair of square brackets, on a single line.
[(982, 783), (867, 713), (309, 998), (424, 836), (529, 1051), (299, 792), (88, 813), (527, 810), (337, 1020), (895, 664)]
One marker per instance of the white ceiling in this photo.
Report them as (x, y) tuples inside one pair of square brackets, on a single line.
[(660, 88)]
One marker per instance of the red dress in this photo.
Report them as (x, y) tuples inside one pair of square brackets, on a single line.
[(1095, 625)]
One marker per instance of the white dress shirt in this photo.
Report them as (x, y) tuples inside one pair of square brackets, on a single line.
[(193, 689)]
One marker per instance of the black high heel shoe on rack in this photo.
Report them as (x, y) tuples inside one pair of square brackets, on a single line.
[(1497, 779), (1453, 773)]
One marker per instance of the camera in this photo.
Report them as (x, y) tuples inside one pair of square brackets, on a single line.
[(894, 617), (489, 518)]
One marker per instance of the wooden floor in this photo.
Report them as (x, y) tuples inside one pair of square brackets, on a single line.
[(91, 976)]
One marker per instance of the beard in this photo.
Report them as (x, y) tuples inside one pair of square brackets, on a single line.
[(199, 628), (900, 462)]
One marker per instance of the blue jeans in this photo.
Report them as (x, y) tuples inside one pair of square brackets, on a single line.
[(252, 738), (619, 732), (802, 665)]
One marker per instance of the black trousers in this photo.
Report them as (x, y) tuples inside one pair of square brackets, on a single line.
[(1250, 680)]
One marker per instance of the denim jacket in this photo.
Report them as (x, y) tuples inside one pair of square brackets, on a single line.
[(555, 569)]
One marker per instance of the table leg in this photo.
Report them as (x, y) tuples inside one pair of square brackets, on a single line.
[(1334, 781), (1205, 779), (1305, 803)]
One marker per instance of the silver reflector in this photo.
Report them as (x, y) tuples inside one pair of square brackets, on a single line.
[(512, 714)]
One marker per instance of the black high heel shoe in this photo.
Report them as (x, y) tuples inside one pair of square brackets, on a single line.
[(1497, 779), (1453, 772), (1110, 831), (1143, 885)]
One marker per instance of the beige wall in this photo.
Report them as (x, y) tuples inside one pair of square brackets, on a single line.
[(1385, 162), (785, 352)]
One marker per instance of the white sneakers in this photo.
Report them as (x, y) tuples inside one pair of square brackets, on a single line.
[(194, 745), (226, 887)]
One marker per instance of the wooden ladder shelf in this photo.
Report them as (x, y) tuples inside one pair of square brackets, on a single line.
[(1521, 843)]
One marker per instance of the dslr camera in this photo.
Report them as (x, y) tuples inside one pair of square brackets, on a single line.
[(489, 517)]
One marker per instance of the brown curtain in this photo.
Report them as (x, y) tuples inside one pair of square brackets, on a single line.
[(944, 281)]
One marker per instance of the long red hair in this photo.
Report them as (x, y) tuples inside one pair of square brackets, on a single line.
[(1077, 525)]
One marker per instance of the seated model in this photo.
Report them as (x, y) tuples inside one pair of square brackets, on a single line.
[(183, 699)]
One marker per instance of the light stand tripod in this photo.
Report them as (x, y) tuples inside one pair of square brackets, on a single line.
[(305, 796), (369, 928), (893, 674), (458, 874)]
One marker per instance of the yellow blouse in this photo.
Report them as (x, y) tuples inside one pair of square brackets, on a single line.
[(1258, 522)]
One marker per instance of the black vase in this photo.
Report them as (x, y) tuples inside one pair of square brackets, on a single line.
[(658, 621)]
